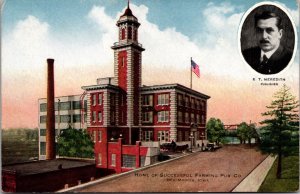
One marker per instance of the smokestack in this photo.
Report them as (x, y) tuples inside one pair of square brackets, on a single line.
[(50, 124)]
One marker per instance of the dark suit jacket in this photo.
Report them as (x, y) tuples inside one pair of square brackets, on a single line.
[(277, 62)]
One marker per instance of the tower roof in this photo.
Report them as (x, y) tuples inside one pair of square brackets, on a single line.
[(128, 11)]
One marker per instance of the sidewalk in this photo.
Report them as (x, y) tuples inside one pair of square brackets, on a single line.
[(254, 180)]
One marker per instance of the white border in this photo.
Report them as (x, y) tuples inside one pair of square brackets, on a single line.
[(246, 14)]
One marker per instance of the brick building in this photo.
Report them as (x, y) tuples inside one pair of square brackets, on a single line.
[(121, 107), (128, 121)]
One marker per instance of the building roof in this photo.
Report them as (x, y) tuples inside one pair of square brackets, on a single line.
[(174, 86), (43, 166), (101, 86)]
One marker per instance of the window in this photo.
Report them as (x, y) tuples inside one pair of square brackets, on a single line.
[(147, 100), (42, 148), (43, 107), (163, 99), (112, 99), (94, 116), (180, 119), (99, 136), (197, 104), (94, 99), (76, 105), (99, 99), (99, 159), (198, 119), (186, 118), (65, 118), (179, 135), (113, 159), (122, 99), (100, 116), (94, 135), (42, 132), (76, 118), (186, 136), (180, 100), (122, 34), (163, 116), (135, 35), (204, 106), (203, 119), (43, 119), (64, 106), (187, 101), (147, 117), (192, 118), (163, 136), (122, 117), (147, 135), (129, 32), (193, 103), (112, 116)]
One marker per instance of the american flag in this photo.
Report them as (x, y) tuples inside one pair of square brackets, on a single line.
[(195, 68)]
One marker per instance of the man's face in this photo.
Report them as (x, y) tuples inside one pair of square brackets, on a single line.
[(268, 34)]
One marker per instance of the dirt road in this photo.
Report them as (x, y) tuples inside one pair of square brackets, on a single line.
[(218, 171)]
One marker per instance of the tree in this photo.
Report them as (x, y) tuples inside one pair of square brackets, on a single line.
[(215, 130), (279, 134), (242, 132), (75, 143), (246, 132)]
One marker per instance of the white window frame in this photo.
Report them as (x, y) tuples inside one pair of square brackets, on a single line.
[(113, 159), (94, 99), (94, 136), (163, 116), (100, 116), (99, 159), (147, 117), (147, 135), (180, 99), (99, 136), (147, 100), (94, 116), (163, 99), (163, 136), (100, 98)]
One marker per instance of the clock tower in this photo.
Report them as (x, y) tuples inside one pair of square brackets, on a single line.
[(127, 72)]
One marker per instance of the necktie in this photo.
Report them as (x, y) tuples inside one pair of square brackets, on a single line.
[(263, 63), (265, 60)]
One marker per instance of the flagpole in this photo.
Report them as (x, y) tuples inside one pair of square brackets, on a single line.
[(191, 81)]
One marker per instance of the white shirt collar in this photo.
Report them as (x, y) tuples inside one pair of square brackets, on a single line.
[(268, 54)]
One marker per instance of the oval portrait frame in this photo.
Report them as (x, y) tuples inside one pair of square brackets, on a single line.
[(252, 10)]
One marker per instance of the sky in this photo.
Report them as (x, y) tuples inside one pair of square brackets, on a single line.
[(79, 34)]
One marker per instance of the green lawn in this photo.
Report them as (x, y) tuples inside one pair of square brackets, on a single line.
[(19, 145), (290, 177)]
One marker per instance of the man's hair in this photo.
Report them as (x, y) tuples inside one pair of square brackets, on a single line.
[(267, 15)]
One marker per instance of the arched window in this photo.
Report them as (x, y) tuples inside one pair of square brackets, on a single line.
[(135, 35), (129, 32), (122, 34)]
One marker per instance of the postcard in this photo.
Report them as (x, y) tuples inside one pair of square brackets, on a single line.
[(150, 96)]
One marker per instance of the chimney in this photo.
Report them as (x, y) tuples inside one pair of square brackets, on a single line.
[(50, 124)]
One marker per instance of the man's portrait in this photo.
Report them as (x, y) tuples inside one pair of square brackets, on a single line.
[(267, 39)]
